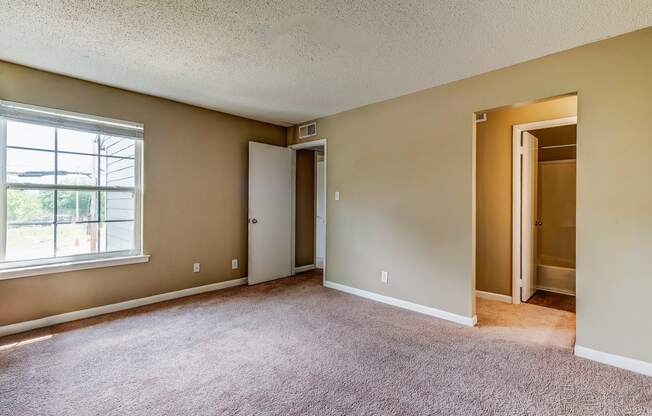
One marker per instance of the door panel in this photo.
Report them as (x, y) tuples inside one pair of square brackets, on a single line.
[(270, 212), (529, 215)]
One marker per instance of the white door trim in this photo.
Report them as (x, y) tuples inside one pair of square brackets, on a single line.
[(294, 148), (517, 131)]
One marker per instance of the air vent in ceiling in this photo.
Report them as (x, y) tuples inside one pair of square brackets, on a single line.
[(480, 117), (308, 130)]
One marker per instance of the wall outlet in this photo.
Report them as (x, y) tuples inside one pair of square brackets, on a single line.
[(195, 268), (337, 195), (234, 264), (384, 277)]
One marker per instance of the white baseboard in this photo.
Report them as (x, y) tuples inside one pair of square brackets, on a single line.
[(437, 313), (556, 290), (619, 361), (493, 296), (114, 307), (304, 268)]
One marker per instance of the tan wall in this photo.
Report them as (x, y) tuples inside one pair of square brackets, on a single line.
[(494, 188), (556, 209), (195, 196), (305, 208), (405, 170)]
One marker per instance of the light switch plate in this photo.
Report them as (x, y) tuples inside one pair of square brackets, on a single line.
[(337, 195)]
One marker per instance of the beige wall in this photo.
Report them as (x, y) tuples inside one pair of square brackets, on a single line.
[(305, 208), (405, 170), (494, 188), (195, 196), (556, 209)]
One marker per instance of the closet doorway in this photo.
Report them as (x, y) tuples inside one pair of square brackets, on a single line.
[(544, 199)]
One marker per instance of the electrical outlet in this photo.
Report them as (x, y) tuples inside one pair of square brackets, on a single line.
[(384, 277), (234, 264), (195, 268)]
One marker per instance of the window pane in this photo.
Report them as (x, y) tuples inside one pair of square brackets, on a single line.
[(30, 166), (30, 135), (117, 172), (76, 239), (29, 242), (117, 146), (77, 141), (117, 205), (117, 236), (77, 169), (75, 206), (30, 205)]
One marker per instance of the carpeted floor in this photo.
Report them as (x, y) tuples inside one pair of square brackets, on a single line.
[(292, 347), (525, 323)]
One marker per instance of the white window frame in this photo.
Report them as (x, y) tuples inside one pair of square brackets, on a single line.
[(62, 119)]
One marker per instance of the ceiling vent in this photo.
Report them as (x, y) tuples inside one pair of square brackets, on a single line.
[(480, 117), (308, 130)]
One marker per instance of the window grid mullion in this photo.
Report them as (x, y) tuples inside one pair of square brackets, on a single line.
[(56, 191), (99, 204), (3, 184)]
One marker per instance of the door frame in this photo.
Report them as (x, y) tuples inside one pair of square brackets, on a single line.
[(517, 151), (306, 145)]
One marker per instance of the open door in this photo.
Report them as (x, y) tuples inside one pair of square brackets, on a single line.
[(270, 212), (529, 216)]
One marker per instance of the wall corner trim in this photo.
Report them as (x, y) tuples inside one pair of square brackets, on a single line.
[(619, 361), (115, 307), (493, 296), (415, 307)]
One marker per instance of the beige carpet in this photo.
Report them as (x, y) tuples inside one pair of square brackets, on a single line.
[(525, 323), (292, 347)]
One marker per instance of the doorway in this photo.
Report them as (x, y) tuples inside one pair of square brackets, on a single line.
[(543, 213), (309, 214), (525, 220)]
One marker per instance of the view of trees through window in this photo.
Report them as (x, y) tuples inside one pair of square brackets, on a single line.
[(68, 192)]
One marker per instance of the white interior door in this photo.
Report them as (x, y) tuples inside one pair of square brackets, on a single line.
[(270, 212), (529, 216), (321, 216)]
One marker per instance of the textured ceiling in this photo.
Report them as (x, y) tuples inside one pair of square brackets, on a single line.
[(288, 61)]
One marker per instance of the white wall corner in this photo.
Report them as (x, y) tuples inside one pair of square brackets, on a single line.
[(415, 307), (493, 296), (631, 364)]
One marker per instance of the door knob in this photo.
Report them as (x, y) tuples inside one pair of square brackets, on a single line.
[(254, 221)]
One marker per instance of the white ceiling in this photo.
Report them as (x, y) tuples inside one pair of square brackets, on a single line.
[(289, 61)]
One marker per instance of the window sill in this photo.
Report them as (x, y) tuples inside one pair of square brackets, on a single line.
[(71, 266)]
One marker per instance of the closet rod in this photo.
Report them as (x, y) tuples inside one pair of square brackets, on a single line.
[(558, 146)]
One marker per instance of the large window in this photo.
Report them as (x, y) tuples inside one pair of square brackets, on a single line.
[(71, 186)]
